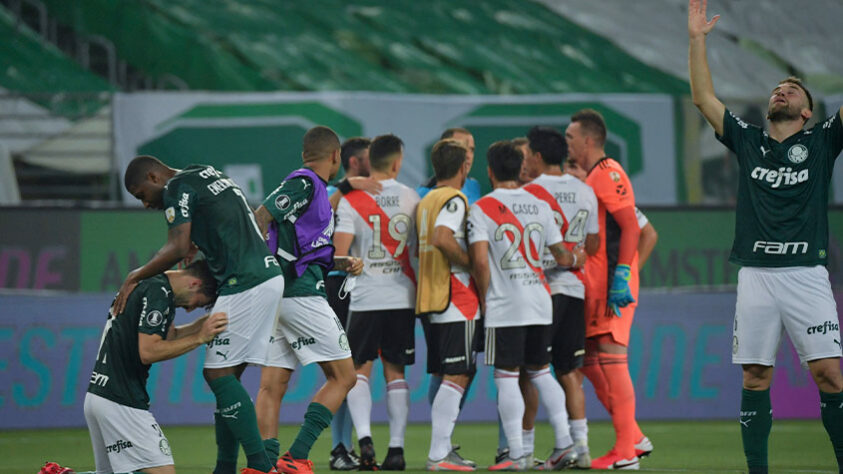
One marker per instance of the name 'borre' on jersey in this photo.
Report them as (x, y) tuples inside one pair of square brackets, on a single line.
[(384, 232), (518, 294)]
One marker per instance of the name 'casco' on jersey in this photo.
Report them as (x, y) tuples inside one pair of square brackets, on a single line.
[(517, 226), (579, 208), (384, 232)]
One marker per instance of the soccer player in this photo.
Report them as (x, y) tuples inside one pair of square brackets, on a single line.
[(354, 155), (611, 288), (447, 295), (381, 230), (471, 188), (300, 221), (781, 242), (508, 230), (204, 206), (574, 208), (124, 434)]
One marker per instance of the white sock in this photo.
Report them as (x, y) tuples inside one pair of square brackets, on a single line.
[(553, 399), (511, 410), (579, 431), (359, 400), (397, 408), (529, 439), (443, 417)]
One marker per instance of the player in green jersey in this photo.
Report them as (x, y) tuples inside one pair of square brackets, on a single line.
[(781, 242), (124, 434), (203, 206), (302, 222)]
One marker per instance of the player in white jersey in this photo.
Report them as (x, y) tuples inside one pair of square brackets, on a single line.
[(381, 230), (507, 232), (574, 207)]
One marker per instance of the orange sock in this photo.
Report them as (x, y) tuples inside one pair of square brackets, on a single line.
[(622, 399), (591, 369)]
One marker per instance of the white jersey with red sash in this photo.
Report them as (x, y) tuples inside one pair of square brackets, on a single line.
[(385, 238), (464, 302), (575, 210), (518, 227)]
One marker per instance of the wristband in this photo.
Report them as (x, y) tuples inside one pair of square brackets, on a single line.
[(344, 186), (573, 265)]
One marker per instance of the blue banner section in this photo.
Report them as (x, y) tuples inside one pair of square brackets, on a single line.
[(679, 359)]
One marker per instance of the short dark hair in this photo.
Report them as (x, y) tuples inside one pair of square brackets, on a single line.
[(453, 131), (382, 151), (550, 143), (200, 270), (798, 82), (448, 156), (504, 160), (520, 141), (138, 168), (591, 123), (352, 147), (319, 142)]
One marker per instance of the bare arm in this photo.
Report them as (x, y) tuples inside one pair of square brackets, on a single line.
[(351, 265), (702, 88), (342, 243), (153, 348), (479, 255), (264, 218), (444, 240), (178, 246), (592, 243), (646, 243), (565, 258)]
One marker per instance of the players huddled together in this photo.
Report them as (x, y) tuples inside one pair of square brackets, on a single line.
[(541, 275)]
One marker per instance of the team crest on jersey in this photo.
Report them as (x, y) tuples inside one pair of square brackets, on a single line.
[(154, 318), (616, 177), (282, 202), (797, 153), (170, 214)]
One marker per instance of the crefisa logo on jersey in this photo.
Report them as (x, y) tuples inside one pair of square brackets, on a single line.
[(797, 153)]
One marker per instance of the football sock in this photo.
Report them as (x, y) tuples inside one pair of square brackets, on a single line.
[(359, 401), (338, 427), (756, 420), (622, 400), (502, 443), (433, 387), (510, 410), (316, 419), (553, 399), (443, 417), (579, 432), (272, 448), (227, 447), (397, 409), (591, 369), (528, 440), (238, 412), (831, 408)]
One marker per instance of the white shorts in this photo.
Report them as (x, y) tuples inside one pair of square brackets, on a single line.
[(793, 299), (125, 439), (308, 331), (251, 319)]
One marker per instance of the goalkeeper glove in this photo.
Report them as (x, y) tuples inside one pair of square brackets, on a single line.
[(619, 294)]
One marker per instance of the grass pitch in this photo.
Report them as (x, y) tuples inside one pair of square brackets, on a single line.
[(686, 446)]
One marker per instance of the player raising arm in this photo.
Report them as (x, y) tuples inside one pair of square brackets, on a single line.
[(781, 243)]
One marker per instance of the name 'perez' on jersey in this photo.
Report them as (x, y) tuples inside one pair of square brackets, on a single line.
[(781, 218)]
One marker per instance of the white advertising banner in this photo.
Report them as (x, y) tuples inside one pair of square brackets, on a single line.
[(256, 137)]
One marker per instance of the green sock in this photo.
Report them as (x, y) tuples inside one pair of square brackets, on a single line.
[(272, 448), (316, 419), (756, 420), (227, 447), (236, 409), (831, 408)]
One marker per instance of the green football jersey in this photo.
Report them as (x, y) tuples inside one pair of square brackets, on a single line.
[(119, 375), (222, 226), (286, 204), (781, 218)]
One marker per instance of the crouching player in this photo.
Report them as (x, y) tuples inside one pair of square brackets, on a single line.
[(124, 434)]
